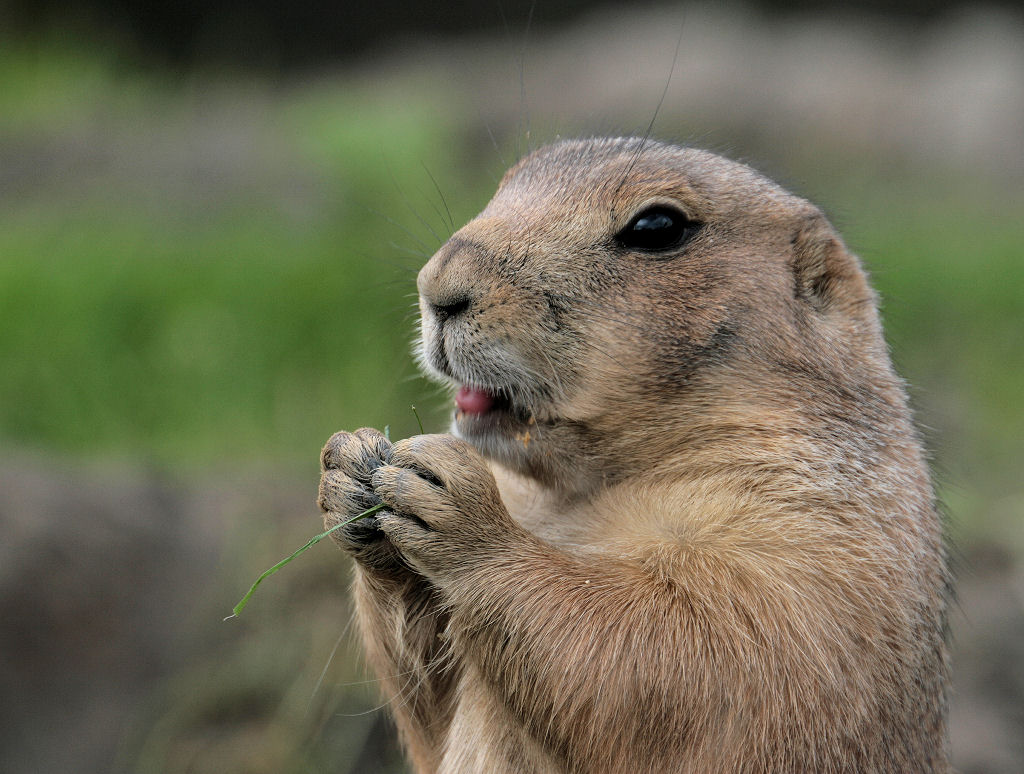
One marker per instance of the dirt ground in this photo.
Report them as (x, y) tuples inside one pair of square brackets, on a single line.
[(114, 583)]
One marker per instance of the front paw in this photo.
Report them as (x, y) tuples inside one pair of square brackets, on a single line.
[(444, 510), (347, 463)]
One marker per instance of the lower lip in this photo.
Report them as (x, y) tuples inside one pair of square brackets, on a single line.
[(480, 414), (474, 401)]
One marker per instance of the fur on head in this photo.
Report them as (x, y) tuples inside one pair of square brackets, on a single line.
[(532, 310)]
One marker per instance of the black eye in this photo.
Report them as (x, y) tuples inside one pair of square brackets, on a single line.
[(657, 228)]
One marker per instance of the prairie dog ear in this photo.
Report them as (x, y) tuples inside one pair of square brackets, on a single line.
[(824, 271)]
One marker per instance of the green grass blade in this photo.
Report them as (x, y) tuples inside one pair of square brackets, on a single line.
[(418, 420), (312, 542)]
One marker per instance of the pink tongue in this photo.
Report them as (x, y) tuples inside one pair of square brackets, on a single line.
[(474, 401)]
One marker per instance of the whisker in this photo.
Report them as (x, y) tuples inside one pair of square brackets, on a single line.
[(451, 220), (410, 252), (330, 660), (371, 681), (650, 126), (524, 111), (396, 224), (408, 205), (494, 142)]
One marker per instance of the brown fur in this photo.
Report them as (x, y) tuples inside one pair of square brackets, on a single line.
[(705, 540)]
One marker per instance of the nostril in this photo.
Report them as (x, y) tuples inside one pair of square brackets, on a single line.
[(452, 308)]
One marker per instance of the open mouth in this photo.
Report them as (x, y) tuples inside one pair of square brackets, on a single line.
[(492, 421), (480, 410), (477, 401)]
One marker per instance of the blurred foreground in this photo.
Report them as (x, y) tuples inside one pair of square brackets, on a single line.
[(202, 278)]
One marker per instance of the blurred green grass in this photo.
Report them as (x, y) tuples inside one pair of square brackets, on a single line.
[(152, 320), (154, 326), (947, 256)]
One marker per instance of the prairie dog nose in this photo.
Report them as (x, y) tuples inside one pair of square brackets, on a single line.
[(445, 281), (449, 308), (444, 299)]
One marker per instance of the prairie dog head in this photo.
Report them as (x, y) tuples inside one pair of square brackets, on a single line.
[(618, 285)]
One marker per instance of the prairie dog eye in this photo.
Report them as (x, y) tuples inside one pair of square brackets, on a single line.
[(657, 228)]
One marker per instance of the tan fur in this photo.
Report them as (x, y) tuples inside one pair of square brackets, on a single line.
[(709, 542)]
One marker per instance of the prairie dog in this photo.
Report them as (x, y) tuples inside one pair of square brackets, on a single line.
[(682, 522)]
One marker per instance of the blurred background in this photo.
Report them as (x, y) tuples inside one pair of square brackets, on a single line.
[(211, 216)]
